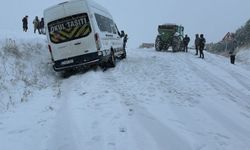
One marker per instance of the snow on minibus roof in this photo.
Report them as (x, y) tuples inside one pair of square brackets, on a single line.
[(169, 24), (90, 2)]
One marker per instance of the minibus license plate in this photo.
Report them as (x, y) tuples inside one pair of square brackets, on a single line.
[(66, 62)]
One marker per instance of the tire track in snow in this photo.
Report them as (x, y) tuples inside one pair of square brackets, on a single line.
[(243, 80), (159, 134), (233, 94), (237, 128), (223, 87), (105, 112), (64, 134), (78, 120), (163, 136)]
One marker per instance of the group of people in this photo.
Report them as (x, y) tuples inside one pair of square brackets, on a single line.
[(38, 25), (200, 43)]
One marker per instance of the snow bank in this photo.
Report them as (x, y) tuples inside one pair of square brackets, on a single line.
[(24, 67), (19, 35), (244, 55)]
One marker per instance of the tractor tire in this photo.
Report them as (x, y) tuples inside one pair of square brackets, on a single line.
[(166, 46), (158, 44), (176, 44)]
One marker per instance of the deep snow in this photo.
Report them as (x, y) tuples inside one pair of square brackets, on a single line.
[(244, 57), (150, 101)]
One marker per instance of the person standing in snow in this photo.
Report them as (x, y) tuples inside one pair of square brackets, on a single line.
[(41, 26), (202, 43), (232, 51), (122, 34), (125, 40), (25, 23), (36, 23), (196, 43), (186, 40)]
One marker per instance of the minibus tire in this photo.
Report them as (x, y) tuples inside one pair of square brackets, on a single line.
[(112, 59)]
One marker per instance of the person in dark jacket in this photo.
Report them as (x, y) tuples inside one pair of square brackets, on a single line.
[(196, 43), (36, 23), (232, 50), (202, 45), (122, 34), (41, 26), (186, 40), (25, 23), (125, 40)]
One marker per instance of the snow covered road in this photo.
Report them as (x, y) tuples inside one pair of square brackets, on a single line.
[(150, 101)]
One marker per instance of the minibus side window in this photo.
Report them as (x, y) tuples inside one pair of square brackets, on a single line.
[(105, 24)]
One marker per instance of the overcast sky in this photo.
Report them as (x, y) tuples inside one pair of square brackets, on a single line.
[(139, 18)]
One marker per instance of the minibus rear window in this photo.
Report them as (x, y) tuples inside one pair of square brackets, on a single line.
[(69, 28)]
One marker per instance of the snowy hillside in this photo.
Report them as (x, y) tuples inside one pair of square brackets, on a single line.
[(244, 57), (24, 69), (150, 101)]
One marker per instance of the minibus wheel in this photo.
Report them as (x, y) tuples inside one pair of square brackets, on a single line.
[(124, 55), (112, 59)]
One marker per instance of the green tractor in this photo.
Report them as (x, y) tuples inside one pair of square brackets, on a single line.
[(170, 35)]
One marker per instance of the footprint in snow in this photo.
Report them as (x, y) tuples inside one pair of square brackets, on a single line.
[(83, 93), (123, 129)]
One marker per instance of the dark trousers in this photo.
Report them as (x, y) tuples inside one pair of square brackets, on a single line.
[(186, 48), (25, 28), (201, 54), (196, 48), (232, 59), (201, 51), (124, 45), (37, 30)]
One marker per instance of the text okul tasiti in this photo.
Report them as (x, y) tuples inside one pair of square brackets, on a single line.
[(68, 25)]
